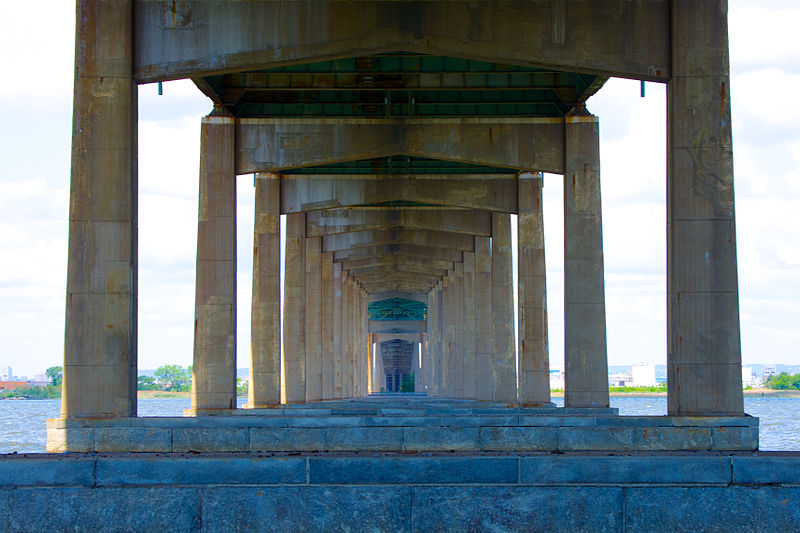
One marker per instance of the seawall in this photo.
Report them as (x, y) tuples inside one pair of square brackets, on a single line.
[(677, 491)]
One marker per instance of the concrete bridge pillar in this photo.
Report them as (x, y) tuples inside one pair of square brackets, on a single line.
[(432, 351), (327, 324), (294, 307), (458, 331), (448, 315), (347, 336), (534, 367), (484, 340), (504, 378), (313, 330), (264, 388), (338, 339), (704, 358), (585, 358), (468, 330), (100, 340), (424, 360), (214, 365)]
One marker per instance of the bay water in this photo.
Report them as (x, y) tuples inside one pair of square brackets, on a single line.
[(22, 422)]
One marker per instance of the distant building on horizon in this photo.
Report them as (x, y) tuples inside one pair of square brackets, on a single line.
[(6, 374), (643, 375)]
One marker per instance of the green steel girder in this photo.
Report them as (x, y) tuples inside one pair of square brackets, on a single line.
[(401, 85), (397, 309)]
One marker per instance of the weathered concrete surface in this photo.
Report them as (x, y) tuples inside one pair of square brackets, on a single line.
[(435, 492), (334, 221), (704, 358), (265, 346), (294, 316), (534, 367), (625, 39), (585, 357), (302, 192), (393, 423), (483, 300), (313, 329), (100, 342), (504, 378), (281, 144), (214, 362)]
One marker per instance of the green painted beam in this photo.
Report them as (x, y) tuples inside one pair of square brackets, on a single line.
[(397, 309)]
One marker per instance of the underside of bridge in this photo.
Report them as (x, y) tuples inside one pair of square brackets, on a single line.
[(399, 138)]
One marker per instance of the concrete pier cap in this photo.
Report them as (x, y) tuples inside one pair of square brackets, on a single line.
[(399, 151)]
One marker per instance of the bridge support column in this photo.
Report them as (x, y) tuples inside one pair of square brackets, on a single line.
[(534, 366), (585, 358), (504, 378), (294, 307), (433, 336), (338, 339), (448, 314), (313, 330), (327, 325), (100, 340), (704, 359), (264, 388), (348, 323), (484, 341), (468, 329), (458, 331), (214, 365)]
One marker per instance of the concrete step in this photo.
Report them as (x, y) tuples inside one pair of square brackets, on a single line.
[(415, 425)]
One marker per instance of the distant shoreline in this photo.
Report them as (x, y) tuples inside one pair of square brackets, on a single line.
[(749, 393)]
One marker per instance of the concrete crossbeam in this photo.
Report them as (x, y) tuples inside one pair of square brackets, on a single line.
[(630, 40), (284, 144), (397, 259), (214, 362), (422, 252), (494, 192), (369, 238), (335, 221)]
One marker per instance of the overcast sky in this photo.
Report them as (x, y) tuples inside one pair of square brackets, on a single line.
[(36, 54)]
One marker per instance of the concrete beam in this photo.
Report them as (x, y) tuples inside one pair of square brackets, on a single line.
[(397, 259), (422, 252), (392, 270), (304, 192), (614, 37), (384, 295), (336, 221), (435, 239), (270, 145), (405, 326)]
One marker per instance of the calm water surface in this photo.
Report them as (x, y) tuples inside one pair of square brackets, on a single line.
[(22, 422)]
